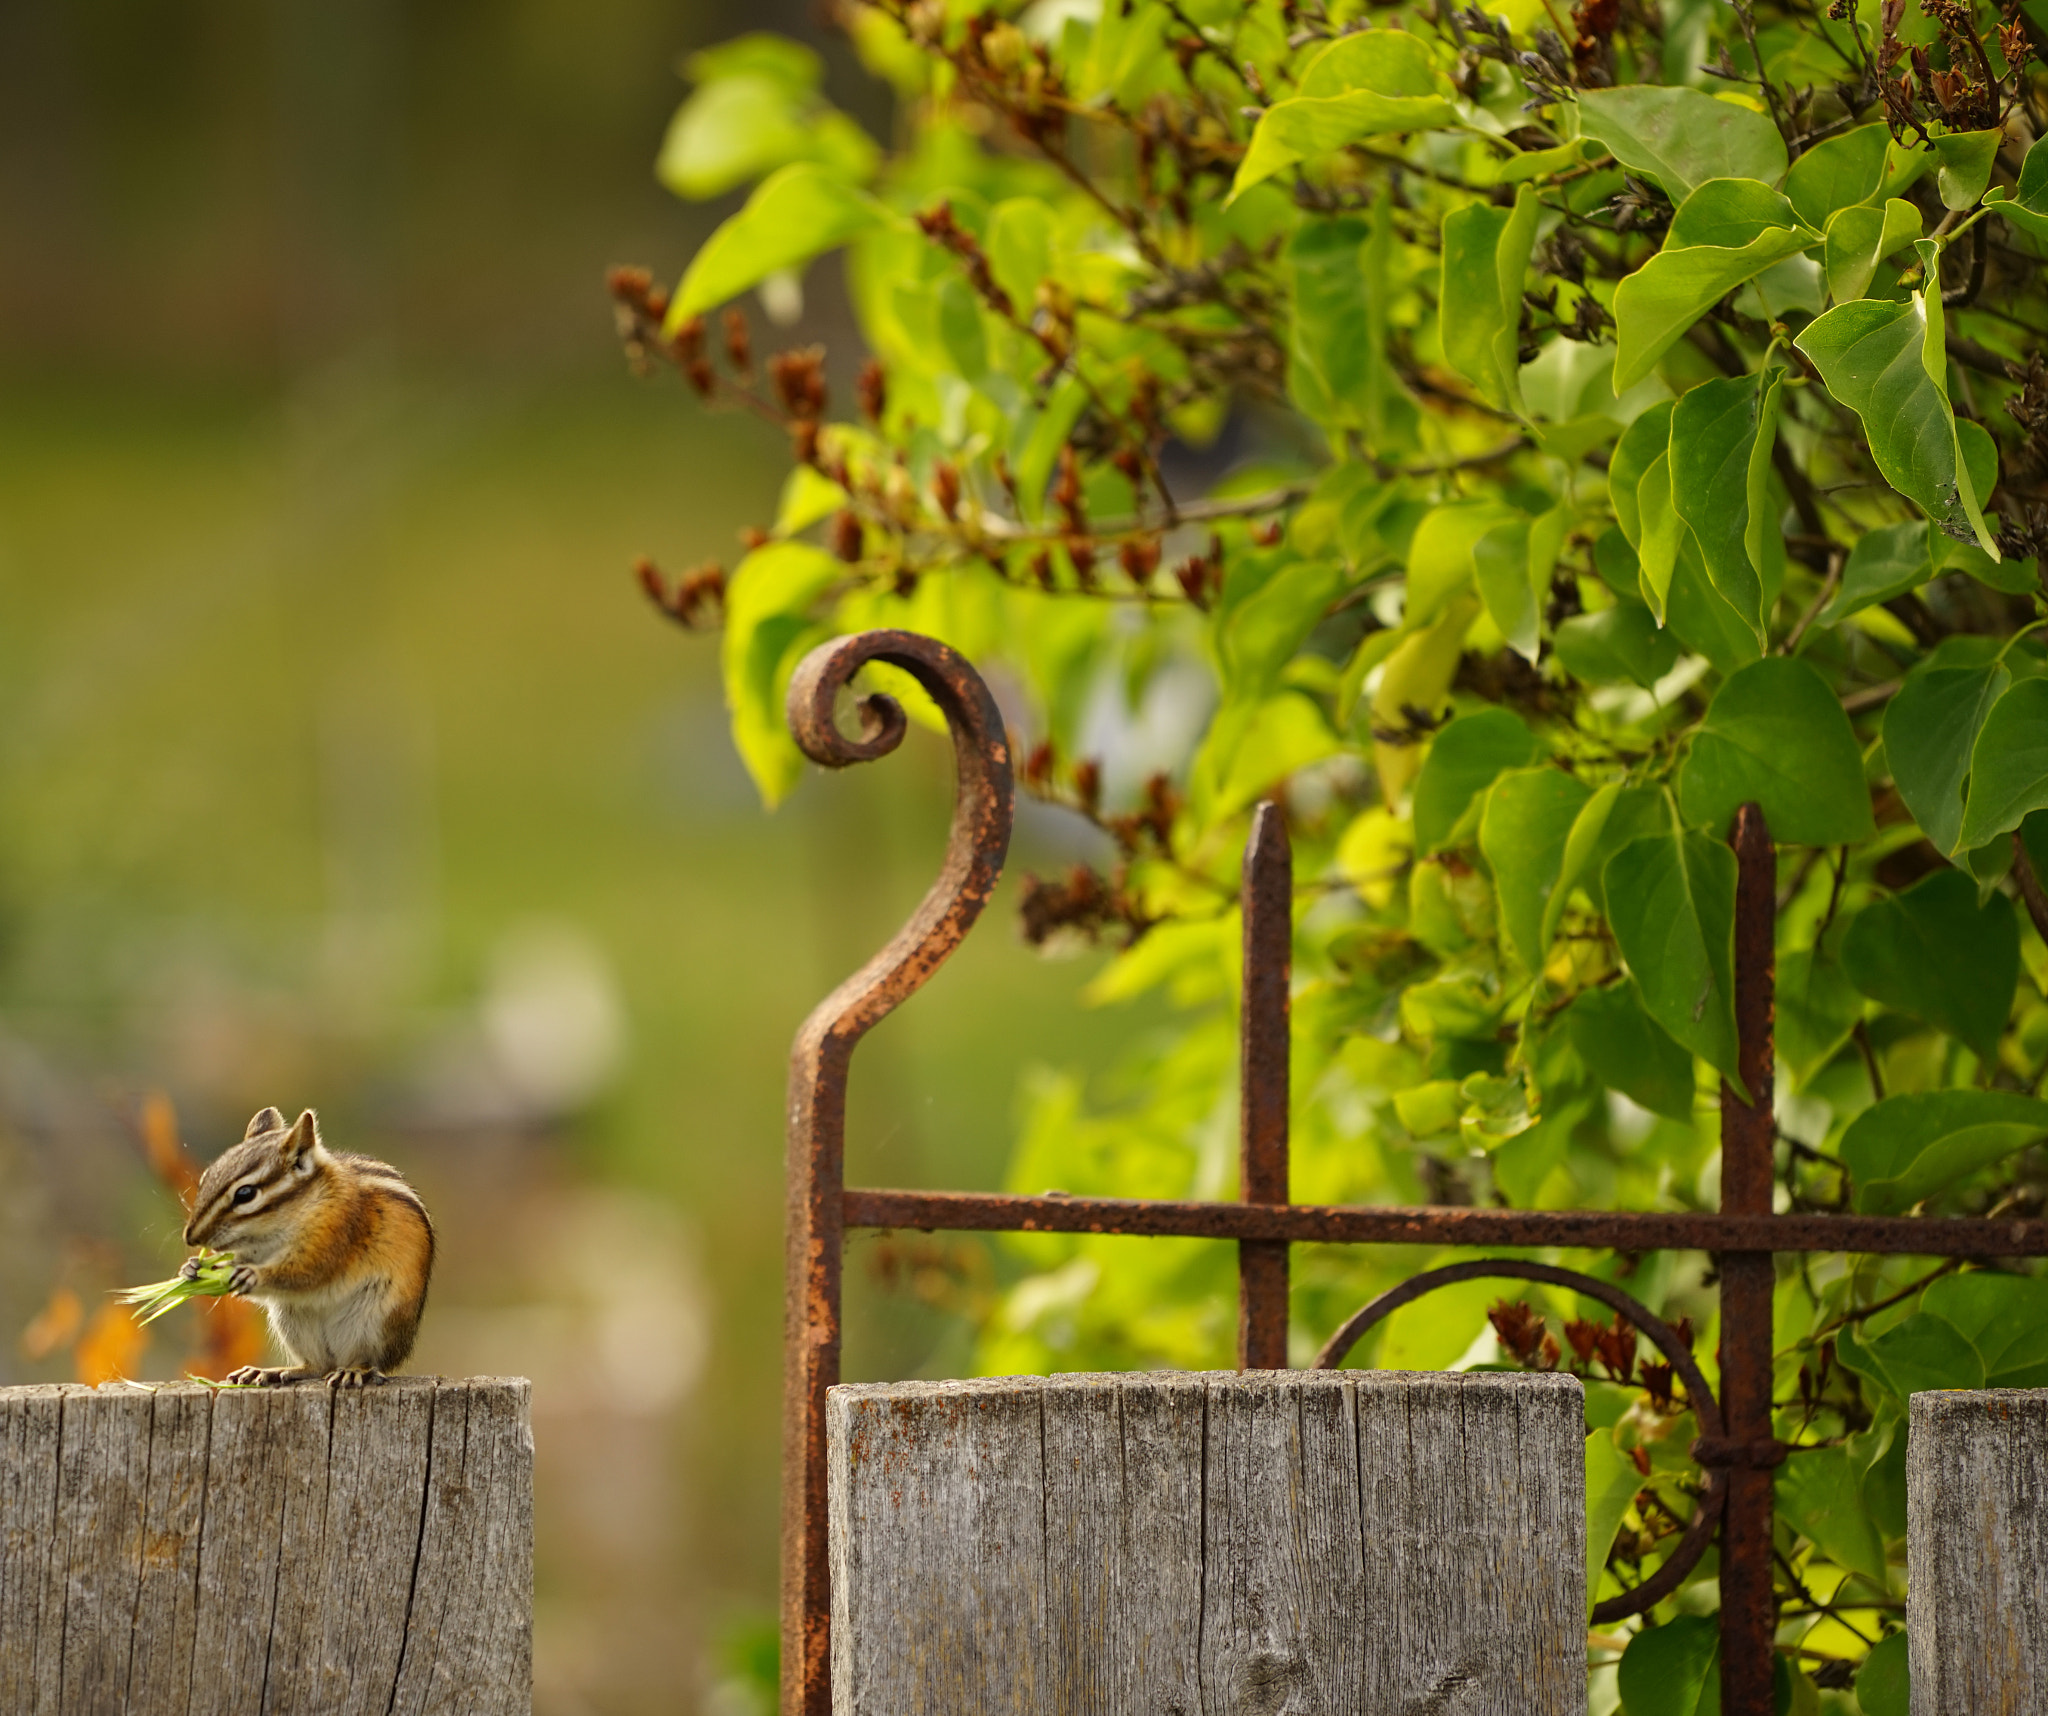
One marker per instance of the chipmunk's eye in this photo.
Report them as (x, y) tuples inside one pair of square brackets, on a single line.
[(244, 1193)]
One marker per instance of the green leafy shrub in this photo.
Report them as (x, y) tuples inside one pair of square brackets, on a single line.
[(1515, 442)]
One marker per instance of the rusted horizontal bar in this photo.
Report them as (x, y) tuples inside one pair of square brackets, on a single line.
[(1361, 1224)]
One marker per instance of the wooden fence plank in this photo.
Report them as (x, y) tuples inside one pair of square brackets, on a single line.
[(1257, 1543), (173, 1551), (1977, 1552)]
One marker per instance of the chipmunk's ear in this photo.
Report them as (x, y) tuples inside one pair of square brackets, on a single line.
[(305, 1136), (262, 1121)]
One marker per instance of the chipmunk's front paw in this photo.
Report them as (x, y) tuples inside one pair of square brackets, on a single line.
[(189, 1270), (355, 1376), (241, 1279)]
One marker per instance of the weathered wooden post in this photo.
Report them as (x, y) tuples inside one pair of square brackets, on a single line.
[(176, 1551), (1977, 1552), (1173, 1543)]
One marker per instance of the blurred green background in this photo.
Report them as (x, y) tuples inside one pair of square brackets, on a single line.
[(342, 765)]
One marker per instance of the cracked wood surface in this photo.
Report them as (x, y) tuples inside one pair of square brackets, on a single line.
[(1209, 1545), (1977, 1552), (276, 1552)]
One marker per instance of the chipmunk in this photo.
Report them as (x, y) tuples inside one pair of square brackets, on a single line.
[(336, 1248)]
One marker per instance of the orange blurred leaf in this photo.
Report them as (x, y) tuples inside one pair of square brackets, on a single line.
[(169, 1160), (55, 1325), (110, 1346), (230, 1336)]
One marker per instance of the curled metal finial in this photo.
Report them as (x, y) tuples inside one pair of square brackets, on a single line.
[(980, 837), (1706, 1409)]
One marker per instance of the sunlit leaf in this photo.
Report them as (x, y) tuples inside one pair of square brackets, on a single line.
[(1671, 904), (1522, 831), (1369, 84), (1820, 1491), (1682, 137), (1628, 1051), (2028, 209), (1934, 953), (1884, 361), (1884, 563), (1910, 1146), (1615, 815), (1923, 1352), (2008, 764), (1930, 732), (768, 624), (1464, 760), (1486, 256), (1673, 1670), (1859, 239), (1611, 1485), (795, 214), (1776, 735), (1837, 173)]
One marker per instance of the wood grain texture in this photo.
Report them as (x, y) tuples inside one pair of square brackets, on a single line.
[(1977, 1552), (280, 1552), (1210, 1545)]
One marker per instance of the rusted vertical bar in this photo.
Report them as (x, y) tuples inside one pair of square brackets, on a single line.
[(820, 1061), (1263, 1048), (1749, 1614)]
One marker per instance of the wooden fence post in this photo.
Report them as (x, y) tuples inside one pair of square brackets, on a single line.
[(1977, 1551), (1175, 1543), (267, 1552)]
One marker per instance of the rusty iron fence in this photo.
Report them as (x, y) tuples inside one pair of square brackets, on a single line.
[(1735, 1447)]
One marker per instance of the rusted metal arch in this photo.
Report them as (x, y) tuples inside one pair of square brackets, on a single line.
[(1706, 1410), (1742, 1237)]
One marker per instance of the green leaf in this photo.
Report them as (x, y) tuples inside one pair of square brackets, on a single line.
[(1838, 173), (1440, 554), (1817, 1009), (1727, 232), (1930, 731), (1464, 760), (793, 215), (1643, 443), (1875, 358), (2005, 1317), (1663, 531), (767, 626), (1627, 1050), (1671, 904), (808, 495), (1920, 1354), (1611, 1485), (1858, 239), (1615, 815), (1682, 137), (1717, 429), (1965, 166), (753, 113), (1700, 617), (1370, 84), (1885, 562), (1908, 1147), (1621, 643), (1673, 1670), (2008, 764), (1820, 1491), (2028, 211), (1486, 256), (1934, 953), (1775, 734), (1019, 246), (1528, 816), (1332, 330), (1884, 1684), (1501, 568)]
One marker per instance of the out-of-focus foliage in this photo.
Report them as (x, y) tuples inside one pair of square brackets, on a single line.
[(1538, 446)]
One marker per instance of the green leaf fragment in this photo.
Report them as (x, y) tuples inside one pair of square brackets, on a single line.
[(1522, 832), (1885, 562), (1671, 904), (2008, 765), (1673, 1670), (1682, 137), (1464, 760), (1859, 239), (795, 214), (1485, 258), (1627, 1050), (1930, 733), (2028, 210), (1776, 735), (1934, 953)]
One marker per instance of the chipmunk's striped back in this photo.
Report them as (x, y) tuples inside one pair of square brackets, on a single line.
[(338, 1248)]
